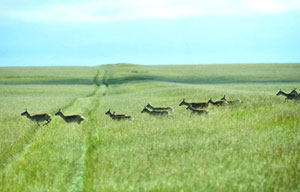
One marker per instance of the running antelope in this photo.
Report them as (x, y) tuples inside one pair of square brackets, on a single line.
[(230, 101), (118, 116), (194, 105), (217, 103), (289, 96), (38, 118), (198, 111), (70, 118), (145, 110), (159, 108)]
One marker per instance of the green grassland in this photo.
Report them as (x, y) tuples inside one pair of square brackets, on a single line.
[(253, 146)]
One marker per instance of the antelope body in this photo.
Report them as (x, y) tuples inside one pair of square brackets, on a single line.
[(39, 117), (289, 96), (217, 103), (230, 101), (194, 105), (118, 116), (70, 118), (145, 110), (159, 108), (198, 111)]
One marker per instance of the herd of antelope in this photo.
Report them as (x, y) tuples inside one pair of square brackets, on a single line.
[(48, 117), (194, 107)]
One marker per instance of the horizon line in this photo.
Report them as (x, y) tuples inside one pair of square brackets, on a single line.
[(124, 63)]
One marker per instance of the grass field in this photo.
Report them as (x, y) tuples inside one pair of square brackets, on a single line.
[(253, 146)]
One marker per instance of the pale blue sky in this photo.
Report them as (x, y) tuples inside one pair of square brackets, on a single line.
[(34, 33)]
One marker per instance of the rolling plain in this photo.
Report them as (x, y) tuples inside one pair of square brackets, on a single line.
[(252, 146)]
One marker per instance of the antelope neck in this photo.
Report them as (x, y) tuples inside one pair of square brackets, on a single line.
[(147, 110), (62, 115), (28, 115), (110, 114), (185, 103)]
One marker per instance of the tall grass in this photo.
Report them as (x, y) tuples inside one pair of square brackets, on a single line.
[(253, 146)]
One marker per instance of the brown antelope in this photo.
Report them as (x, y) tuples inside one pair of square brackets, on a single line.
[(122, 116), (145, 110), (230, 101), (159, 108), (39, 117), (70, 118), (194, 105), (118, 116), (198, 111), (289, 96), (217, 103)]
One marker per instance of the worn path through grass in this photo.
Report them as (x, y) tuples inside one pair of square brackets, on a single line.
[(59, 146)]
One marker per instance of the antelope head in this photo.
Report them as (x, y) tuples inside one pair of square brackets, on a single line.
[(210, 100), (279, 92), (144, 110), (58, 113), (25, 112), (182, 102), (108, 112), (294, 91), (223, 98)]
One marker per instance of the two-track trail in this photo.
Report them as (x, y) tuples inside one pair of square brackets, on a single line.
[(77, 183), (55, 157), (22, 145)]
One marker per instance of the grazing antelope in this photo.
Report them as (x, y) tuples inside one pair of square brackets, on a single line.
[(118, 116), (159, 108), (194, 105), (217, 103), (289, 96), (145, 110), (198, 111), (230, 101), (38, 118), (70, 118)]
